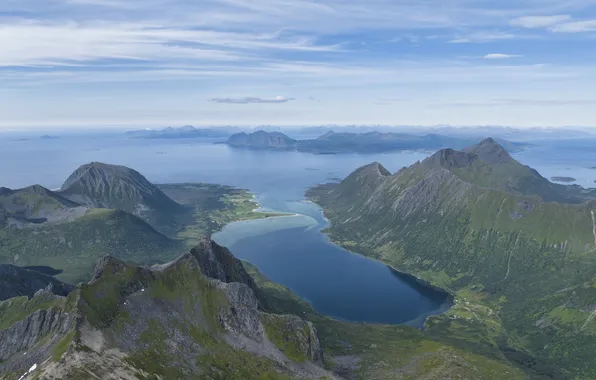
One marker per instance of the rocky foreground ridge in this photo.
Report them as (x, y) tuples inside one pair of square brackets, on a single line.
[(200, 316)]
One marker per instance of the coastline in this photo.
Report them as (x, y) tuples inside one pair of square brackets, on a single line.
[(450, 298)]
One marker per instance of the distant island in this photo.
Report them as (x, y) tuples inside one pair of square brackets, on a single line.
[(370, 142), (185, 132), (563, 179)]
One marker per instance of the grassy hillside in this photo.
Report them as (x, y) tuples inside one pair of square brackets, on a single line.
[(522, 268), (74, 247)]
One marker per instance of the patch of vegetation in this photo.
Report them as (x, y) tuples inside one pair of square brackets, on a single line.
[(104, 297), (186, 283), (62, 346), (154, 357), (210, 207), (226, 363), (283, 334)]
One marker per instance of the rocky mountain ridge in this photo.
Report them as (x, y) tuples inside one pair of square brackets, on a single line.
[(168, 321)]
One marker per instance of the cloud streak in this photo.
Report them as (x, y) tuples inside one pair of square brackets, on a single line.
[(533, 22), (252, 100), (501, 56)]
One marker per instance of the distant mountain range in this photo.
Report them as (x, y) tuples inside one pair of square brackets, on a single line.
[(515, 249), (370, 142), (185, 132)]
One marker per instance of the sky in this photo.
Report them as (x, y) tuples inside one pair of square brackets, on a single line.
[(120, 63)]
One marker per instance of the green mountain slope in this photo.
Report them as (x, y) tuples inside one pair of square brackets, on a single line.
[(74, 246), (36, 204), (522, 267), (41, 227), (100, 185), (172, 321)]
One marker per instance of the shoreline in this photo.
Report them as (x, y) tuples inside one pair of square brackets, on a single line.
[(450, 297)]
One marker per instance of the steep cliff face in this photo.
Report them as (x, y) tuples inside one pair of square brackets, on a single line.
[(31, 330), (196, 317)]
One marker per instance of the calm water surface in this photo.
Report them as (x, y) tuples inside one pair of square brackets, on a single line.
[(289, 250)]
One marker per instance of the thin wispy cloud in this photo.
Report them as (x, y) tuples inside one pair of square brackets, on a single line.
[(251, 100), (522, 103), (501, 56), (163, 57), (575, 27), (532, 22), (482, 37)]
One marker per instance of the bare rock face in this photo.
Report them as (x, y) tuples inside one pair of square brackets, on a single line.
[(30, 340), (218, 263)]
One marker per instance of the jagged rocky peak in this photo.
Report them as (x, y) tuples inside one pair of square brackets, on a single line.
[(35, 189), (449, 159), (490, 152), (218, 262), (372, 169), (368, 176)]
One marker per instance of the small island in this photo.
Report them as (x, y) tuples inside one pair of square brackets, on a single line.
[(563, 179)]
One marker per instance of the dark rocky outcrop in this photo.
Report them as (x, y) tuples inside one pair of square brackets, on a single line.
[(16, 281), (217, 262)]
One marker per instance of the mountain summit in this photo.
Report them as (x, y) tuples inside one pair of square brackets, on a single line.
[(490, 152), (117, 187)]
